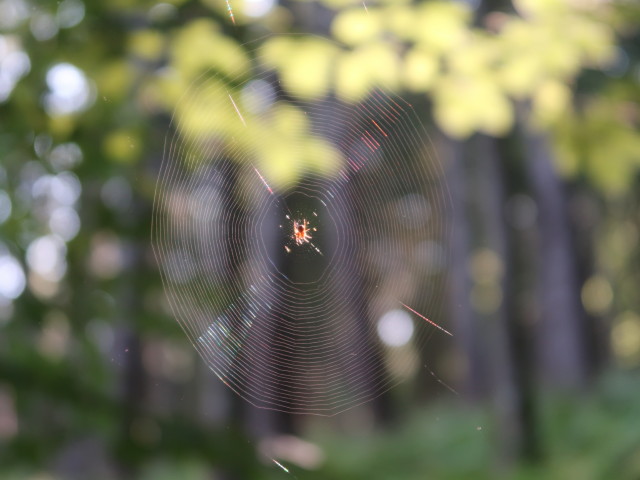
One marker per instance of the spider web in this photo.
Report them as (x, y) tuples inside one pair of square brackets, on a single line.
[(287, 325)]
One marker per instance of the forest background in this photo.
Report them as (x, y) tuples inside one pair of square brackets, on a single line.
[(533, 107)]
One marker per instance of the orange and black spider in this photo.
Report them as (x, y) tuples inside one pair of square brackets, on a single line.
[(301, 232)]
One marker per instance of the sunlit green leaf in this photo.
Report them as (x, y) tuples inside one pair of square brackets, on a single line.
[(441, 25), (357, 26), (541, 8), (549, 102), (304, 65), (114, 79), (200, 46), (401, 21), (420, 70), (147, 44), (122, 146), (464, 105), (369, 66)]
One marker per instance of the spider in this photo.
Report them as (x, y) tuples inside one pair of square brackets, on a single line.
[(301, 232)]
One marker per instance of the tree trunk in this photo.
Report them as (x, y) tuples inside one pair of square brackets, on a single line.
[(560, 322), (465, 328)]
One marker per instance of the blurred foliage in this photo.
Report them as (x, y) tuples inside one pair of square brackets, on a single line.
[(598, 439), (478, 78)]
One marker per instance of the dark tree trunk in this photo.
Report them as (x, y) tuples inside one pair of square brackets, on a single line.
[(505, 345), (465, 328), (560, 322)]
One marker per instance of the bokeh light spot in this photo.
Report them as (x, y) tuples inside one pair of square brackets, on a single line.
[(395, 328), (65, 223), (46, 257), (257, 8), (5, 206), (597, 295), (486, 266), (14, 64), (12, 280), (70, 91), (70, 13), (12, 13), (625, 338)]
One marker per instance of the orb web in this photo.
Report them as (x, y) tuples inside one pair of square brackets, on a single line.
[(288, 318)]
